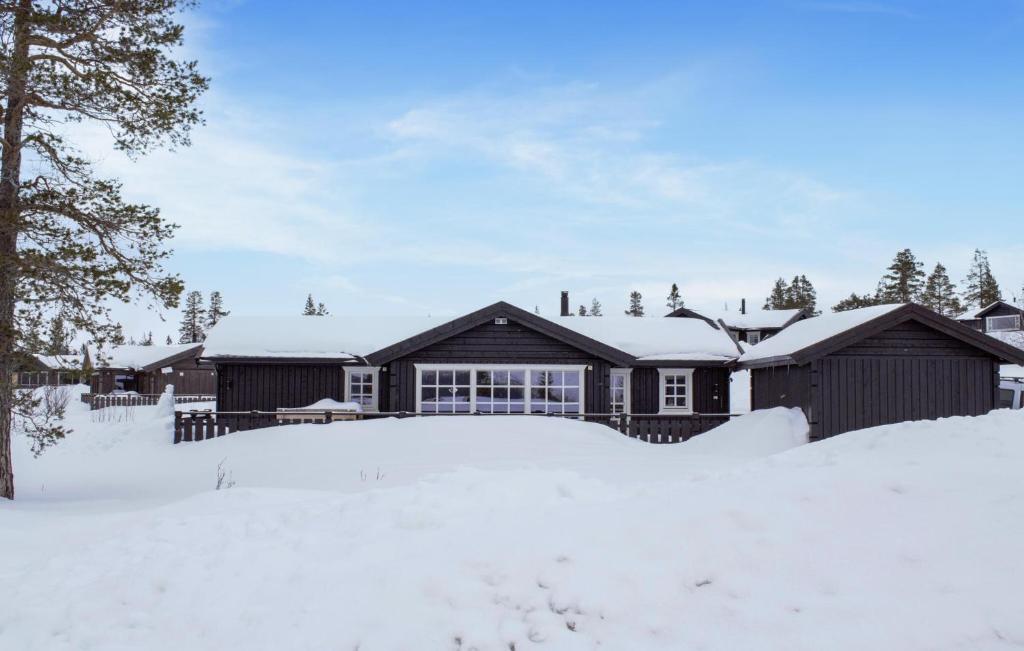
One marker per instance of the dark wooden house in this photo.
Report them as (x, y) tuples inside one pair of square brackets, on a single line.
[(875, 366), (149, 369), (748, 326), (999, 316), (50, 370), (497, 360)]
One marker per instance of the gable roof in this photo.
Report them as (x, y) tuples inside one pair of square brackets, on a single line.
[(981, 312), (60, 362), (379, 340), (756, 319), (818, 336), (147, 358)]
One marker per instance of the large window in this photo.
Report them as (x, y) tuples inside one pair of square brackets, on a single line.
[(1002, 323), (619, 391), (499, 389), (361, 386), (676, 390)]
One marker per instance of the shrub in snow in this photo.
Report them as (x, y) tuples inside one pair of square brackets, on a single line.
[(224, 479)]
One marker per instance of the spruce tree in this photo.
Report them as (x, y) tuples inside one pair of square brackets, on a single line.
[(321, 310), (310, 308), (800, 295), (116, 337), (675, 301), (981, 286), (168, 341), (60, 338), (778, 297), (192, 317), (854, 301), (216, 311), (636, 307), (940, 294), (595, 308), (69, 242), (904, 281), (147, 339), (582, 311)]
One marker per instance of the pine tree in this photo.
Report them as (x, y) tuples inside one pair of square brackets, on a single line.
[(117, 336), (595, 308), (636, 307), (778, 297), (854, 301), (536, 310), (981, 286), (192, 317), (310, 308), (86, 363), (147, 339), (169, 341), (905, 280), (60, 338), (582, 311), (801, 295), (69, 242), (216, 311), (321, 310), (940, 294), (675, 301)]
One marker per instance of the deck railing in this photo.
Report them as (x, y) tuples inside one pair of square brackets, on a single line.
[(201, 425), (101, 400)]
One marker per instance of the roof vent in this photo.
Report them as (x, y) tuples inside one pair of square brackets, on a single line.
[(500, 320)]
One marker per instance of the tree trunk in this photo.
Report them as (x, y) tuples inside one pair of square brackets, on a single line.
[(10, 181)]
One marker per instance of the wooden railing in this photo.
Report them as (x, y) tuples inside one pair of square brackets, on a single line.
[(653, 428), (101, 400)]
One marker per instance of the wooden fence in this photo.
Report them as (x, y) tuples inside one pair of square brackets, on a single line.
[(101, 400), (653, 428)]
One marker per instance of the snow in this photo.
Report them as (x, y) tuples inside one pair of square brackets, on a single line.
[(656, 338), (755, 319), (141, 357), (518, 532), (60, 362), (1012, 337), (810, 331), (1011, 370), (739, 392), (327, 403), (348, 337), (968, 316)]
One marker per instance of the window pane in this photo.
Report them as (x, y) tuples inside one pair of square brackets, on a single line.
[(462, 377), (517, 378), (429, 377), (445, 377), (571, 394), (483, 377), (501, 377), (571, 378)]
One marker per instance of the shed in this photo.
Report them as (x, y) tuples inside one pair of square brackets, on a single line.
[(875, 366), (149, 369)]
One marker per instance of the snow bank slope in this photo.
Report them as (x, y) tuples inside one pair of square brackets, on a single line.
[(900, 537)]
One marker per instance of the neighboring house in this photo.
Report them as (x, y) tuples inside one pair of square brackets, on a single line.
[(748, 326), (500, 359), (148, 369), (878, 365), (1002, 320), (49, 370)]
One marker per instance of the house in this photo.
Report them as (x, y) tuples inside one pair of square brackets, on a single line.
[(148, 369), (877, 365), (748, 326), (497, 360), (49, 370), (1002, 320)]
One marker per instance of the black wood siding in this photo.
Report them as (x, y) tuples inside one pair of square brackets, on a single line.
[(710, 390), (266, 387), (907, 372)]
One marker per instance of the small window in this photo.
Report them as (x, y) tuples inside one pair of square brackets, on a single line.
[(1006, 397), (676, 390), (361, 387), (754, 337), (1002, 323), (619, 391)]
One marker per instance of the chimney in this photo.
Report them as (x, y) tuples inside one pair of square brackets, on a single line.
[(743, 306), (565, 303)]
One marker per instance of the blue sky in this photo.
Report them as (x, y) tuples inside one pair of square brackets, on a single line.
[(409, 158)]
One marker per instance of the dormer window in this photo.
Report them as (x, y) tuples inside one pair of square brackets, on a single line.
[(1002, 323)]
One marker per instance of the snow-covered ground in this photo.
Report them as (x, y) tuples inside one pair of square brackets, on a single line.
[(517, 533)]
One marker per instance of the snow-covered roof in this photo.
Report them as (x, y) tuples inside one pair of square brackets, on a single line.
[(311, 337), (1012, 337), (810, 331), (347, 337), (976, 314), (655, 338), (140, 357), (57, 362), (755, 319)]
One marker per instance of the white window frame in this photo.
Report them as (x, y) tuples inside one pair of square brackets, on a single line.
[(1016, 322), (754, 333), (374, 371), (662, 372), (627, 388), (528, 385)]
